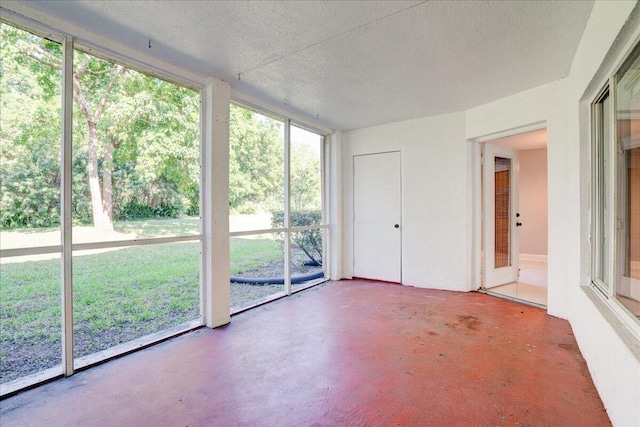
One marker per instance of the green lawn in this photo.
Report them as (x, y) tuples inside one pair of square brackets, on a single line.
[(118, 295)]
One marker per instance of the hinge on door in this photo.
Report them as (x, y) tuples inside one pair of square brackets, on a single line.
[(619, 222), (619, 148)]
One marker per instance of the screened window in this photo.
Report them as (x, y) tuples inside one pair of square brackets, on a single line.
[(128, 237), (275, 207)]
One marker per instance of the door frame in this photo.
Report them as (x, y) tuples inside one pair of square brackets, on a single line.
[(474, 197)]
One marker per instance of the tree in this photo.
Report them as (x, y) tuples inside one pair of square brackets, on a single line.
[(135, 136), (29, 139), (256, 159), (93, 83)]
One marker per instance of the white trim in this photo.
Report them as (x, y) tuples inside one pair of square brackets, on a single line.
[(533, 257), (287, 207), (324, 197), (66, 224), (309, 227), (27, 24), (135, 242), (254, 232), (474, 185), (11, 388), (283, 113), (8, 253), (334, 206), (102, 46), (510, 132)]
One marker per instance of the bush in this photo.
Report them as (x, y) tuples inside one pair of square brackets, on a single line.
[(308, 241), (29, 195), (133, 210)]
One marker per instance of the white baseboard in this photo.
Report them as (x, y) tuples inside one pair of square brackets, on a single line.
[(533, 257)]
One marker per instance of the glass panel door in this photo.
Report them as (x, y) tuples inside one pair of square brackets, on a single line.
[(500, 206), (502, 203)]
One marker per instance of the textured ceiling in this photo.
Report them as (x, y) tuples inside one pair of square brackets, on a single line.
[(352, 63)]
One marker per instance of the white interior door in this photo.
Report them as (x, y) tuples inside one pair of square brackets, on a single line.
[(501, 217), (377, 231)]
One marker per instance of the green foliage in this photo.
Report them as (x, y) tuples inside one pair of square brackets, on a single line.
[(29, 139), (256, 162), (305, 181), (152, 126), (134, 210), (308, 241)]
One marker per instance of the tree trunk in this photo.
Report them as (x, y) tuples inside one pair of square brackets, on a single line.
[(101, 221), (107, 168)]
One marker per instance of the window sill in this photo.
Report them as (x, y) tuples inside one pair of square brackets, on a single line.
[(624, 329)]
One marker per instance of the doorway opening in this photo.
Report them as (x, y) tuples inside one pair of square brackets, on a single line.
[(514, 213)]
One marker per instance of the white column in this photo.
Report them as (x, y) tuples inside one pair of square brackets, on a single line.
[(216, 290), (65, 208), (335, 205), (287, 206)]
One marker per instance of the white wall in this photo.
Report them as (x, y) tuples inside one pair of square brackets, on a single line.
[(547, 106), (606, 345), (436, 202), (434, 219), (533, 201)]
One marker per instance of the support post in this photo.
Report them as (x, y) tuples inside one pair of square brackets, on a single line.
[(216, 288), (66, 276), (287, 207), (335, 205)]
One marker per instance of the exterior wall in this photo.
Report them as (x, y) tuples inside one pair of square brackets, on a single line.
[(533, 201), (434, 219)]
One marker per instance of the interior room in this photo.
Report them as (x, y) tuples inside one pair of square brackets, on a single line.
[(319, 213), (531, 218)]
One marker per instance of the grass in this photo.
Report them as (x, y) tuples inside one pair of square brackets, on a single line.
[(118, 295), (159, 227)]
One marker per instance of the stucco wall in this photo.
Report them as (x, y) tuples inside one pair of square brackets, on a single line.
[(545, 105), (533, 201), (436, 215), (433, 153), (615, 369)]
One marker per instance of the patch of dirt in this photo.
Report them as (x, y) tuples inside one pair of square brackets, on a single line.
[(471, 322), (21, 356)]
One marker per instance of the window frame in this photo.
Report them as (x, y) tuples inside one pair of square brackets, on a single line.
[(603, 283), (606, 289)]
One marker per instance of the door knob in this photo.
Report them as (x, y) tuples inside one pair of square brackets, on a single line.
[(396, 226), (518, 224)]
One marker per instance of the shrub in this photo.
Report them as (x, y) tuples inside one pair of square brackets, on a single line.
[(308, 241)]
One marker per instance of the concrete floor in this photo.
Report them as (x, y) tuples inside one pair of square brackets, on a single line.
[(349, 353)]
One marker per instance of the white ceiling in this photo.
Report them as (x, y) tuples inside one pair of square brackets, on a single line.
[(524, 141), (350, 63)]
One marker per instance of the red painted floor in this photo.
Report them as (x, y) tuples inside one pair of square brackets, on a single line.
[(350, 353)]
